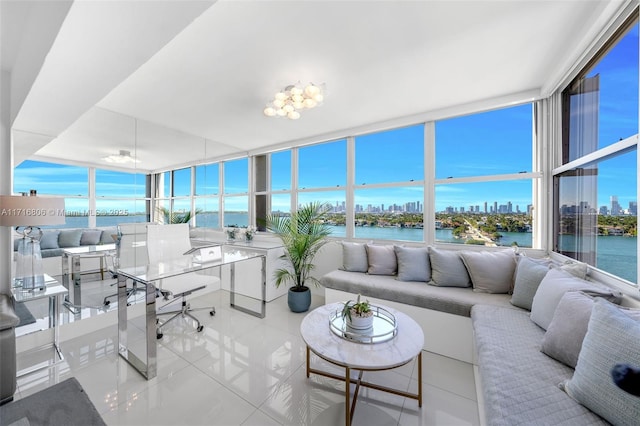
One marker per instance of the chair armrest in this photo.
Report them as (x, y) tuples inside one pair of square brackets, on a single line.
[(8, 317)]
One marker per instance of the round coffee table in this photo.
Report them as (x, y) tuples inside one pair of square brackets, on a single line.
[(393, 353)]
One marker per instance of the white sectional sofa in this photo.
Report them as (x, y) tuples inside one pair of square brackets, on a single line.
[(492, 309)]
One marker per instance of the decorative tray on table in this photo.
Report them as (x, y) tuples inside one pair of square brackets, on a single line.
[(384, 327)]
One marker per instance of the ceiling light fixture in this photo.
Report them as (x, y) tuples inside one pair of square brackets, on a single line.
[(294, 98), (123, 157)]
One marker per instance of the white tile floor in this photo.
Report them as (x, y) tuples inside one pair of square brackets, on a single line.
[(242, 370)]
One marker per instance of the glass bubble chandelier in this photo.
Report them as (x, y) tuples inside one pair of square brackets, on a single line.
[(293, 99)]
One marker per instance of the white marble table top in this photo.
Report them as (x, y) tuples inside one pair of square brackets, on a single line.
[(362, 356)]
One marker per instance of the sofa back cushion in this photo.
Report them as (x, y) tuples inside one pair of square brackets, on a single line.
[(554, 285), (381, 259), (413, 263), (447, 269), (490, 271), (612, 338), (529, 275), (49, 240), (354, 257), (90, 237), (69, 238)]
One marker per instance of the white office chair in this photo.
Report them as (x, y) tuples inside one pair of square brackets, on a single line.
[(166, 242), (131, 250)]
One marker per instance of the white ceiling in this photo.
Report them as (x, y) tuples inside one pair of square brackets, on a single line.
[(181, 81)]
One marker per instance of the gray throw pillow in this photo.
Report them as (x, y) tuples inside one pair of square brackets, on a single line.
[(612, 338), (90, 237), (447, 269), (106, 237), (554, 285), (529, 274), (563, 339), (70, 238), (382, 260), (490, 271), (413, 263), (354, 257), (49, 240)]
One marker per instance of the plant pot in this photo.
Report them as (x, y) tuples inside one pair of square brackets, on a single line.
[(360, 323), (299, 299)]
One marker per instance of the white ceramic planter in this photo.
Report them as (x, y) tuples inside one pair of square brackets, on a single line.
[(360, 323)]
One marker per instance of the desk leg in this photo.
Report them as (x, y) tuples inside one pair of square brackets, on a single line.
[(54, 312), (77, 281), (420, 379)]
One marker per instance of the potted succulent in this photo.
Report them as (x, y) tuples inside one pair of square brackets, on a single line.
[(232, 232), (358, 315), (303, 233), (249, 231)]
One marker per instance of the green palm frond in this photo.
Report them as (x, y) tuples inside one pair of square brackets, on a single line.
[(303, 233)]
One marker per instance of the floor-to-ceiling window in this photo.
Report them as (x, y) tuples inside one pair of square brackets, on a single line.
[(236, 192), (120, 197), (484, 178), (207, 199), (596, 193)]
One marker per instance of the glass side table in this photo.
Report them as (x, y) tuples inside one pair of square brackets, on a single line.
[(54, 291)]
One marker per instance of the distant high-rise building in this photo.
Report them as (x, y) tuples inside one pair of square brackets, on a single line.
[(633, 208), (615, 206), (603, 211), (495, 207), (485, 207), (509, 207)]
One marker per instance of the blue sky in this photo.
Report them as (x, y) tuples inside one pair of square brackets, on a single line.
[(495, 142)]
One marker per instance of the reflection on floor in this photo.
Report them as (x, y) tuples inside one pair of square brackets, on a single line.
[(242, 370)]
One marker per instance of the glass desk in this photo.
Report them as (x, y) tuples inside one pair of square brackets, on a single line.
[(53, 290), (142, 353), (73, 256)]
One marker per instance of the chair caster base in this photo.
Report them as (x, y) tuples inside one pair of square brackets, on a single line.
[(199, 329), (107, 303), (212, 312), (159, 336)]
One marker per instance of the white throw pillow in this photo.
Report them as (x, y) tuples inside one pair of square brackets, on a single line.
[(447, 269), (354, 257), (413, 263), (382, 260)]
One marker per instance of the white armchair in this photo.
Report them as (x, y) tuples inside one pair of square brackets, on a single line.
[(164, 243)]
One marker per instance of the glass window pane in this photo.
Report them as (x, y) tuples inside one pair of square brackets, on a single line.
[(207, 212), (165, 185), (76, 213), (390, 213), (236, 211), (281, 203), (336, 217), (111, 212), (392, 156), (485, 213), (236, 176), (110, 183), (51, 179), (182, 182), (489, 143), (323, 165), (281, 171), (603, 104), (598, 215), (207, 179)]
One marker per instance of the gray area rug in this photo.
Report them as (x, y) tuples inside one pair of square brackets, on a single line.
[(63, 404), (24, 314)]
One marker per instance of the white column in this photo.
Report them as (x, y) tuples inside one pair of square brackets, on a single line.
[(6, 178)]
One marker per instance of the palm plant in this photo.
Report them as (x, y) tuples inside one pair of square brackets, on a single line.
[(303, 233), (176, 217)]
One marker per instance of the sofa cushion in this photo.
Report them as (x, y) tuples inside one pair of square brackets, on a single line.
[(612, 338), (490, 271), (52, 252), (381, 259), (453, 300), (49, 240), (520, 383), (413, 263), (447, 269), (563, 339), (529, 274), (553, 286), (69, 238), (354, 257), (107, 236), (90, 237)]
